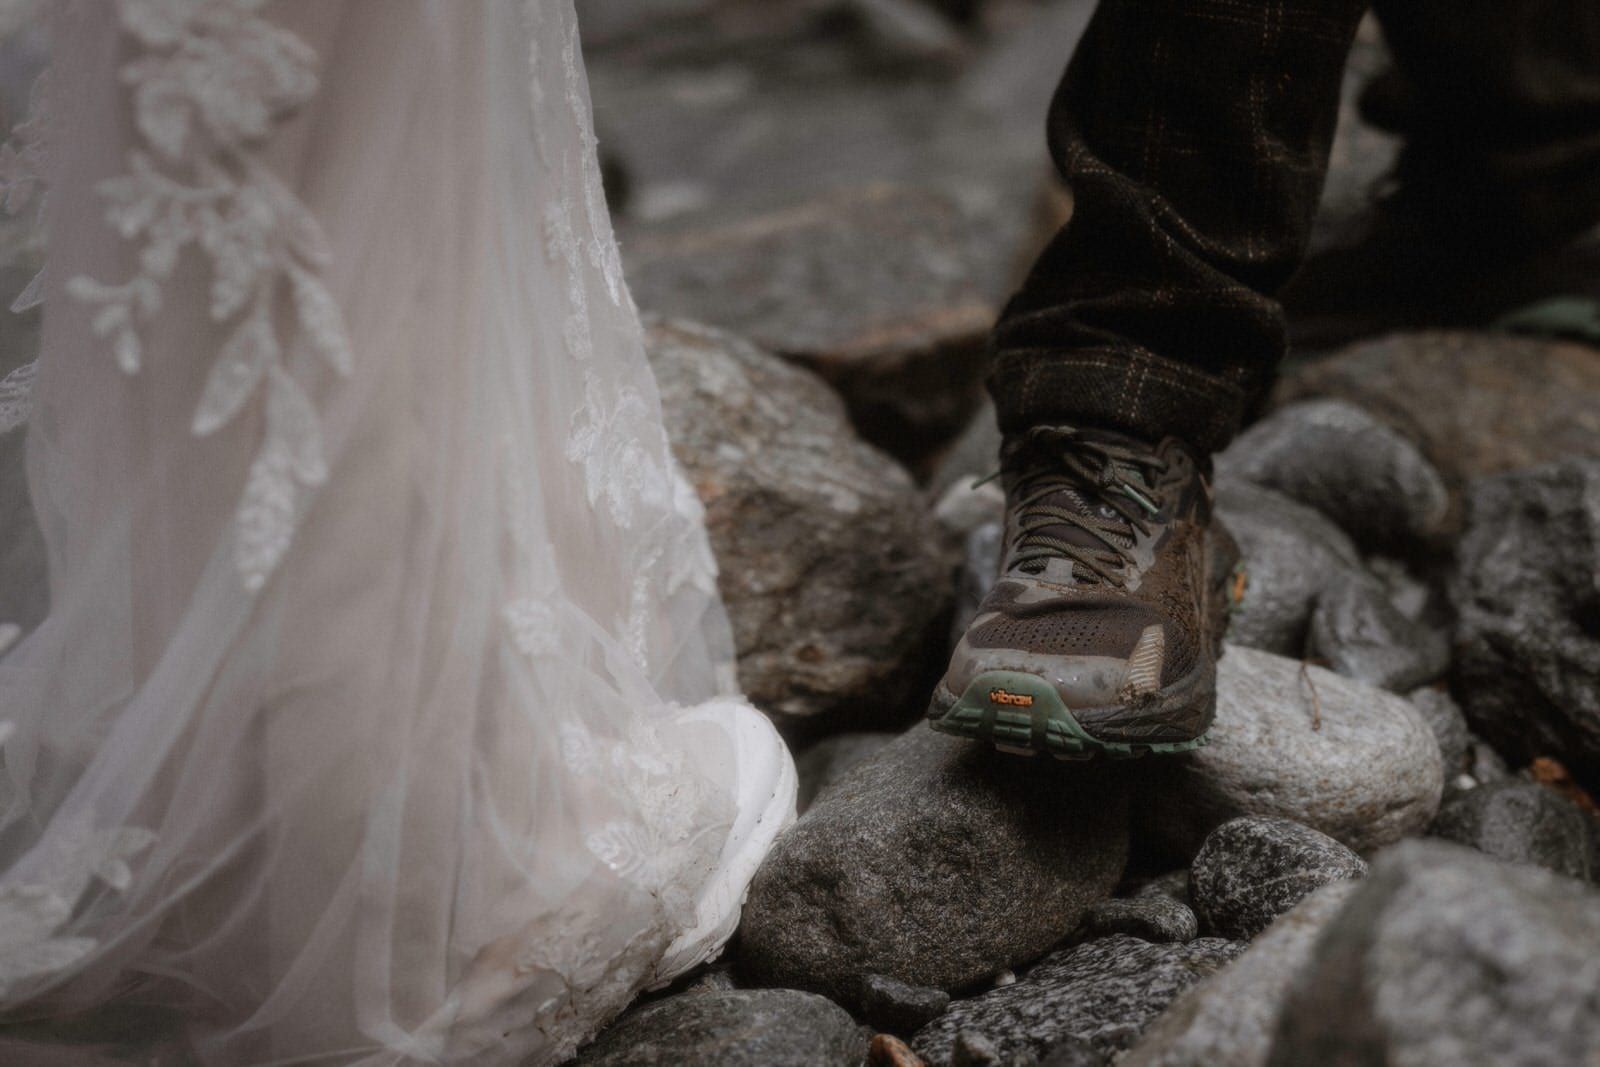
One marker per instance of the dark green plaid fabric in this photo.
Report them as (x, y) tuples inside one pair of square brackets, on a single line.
[(1194, 135)]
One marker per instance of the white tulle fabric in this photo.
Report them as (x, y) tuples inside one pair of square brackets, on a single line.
[(383, 712)]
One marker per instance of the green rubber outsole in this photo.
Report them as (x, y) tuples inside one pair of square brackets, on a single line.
[(1023, 713)]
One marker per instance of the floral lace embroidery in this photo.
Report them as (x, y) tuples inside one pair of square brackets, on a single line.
[(22, 176), (16, 396), (32, 913), (210, 84)]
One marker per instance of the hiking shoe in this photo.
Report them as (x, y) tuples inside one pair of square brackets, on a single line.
[(1102, 631)]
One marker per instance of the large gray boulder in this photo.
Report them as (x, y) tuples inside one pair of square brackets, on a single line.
[(1444, 956), (1104, 992), (1374, 482), (1360, 634), (835, 591), (735, 1028), (1292, 554), (1230, 1018), (1299, 742), (938, 863), (820, 765), (1527, 663)]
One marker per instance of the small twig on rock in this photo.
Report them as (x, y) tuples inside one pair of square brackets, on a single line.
[(1316, 701)]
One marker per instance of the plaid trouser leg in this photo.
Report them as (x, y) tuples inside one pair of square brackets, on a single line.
[(1194, 135)]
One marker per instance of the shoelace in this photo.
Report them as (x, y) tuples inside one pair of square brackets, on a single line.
[(1115, 484)]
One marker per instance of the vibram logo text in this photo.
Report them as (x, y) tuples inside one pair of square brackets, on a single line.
[(1000, 696)]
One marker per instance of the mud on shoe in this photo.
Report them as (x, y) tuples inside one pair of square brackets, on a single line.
[(1102, 631)]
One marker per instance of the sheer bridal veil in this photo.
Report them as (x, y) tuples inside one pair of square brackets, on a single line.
[(383, 711)]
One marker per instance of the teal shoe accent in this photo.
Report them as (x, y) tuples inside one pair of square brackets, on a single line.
[(1023, 713)]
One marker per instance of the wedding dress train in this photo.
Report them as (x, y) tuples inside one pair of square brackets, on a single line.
[(384, 709)]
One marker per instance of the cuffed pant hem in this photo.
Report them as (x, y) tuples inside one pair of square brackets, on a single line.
[(1132, 391)]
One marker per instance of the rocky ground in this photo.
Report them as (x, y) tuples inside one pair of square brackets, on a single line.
[(1388, 854)]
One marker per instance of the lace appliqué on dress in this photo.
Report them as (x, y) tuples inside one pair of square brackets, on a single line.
[(212, 80), (32, 912), (22, 177)]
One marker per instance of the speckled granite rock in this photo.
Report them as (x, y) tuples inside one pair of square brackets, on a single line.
[(938, 863), (1333, 456), (898, 1008), (1104, 992), (1527, 664), (1363, 636), (1524, 822), (1445, 956), (1254, 869), (834, 590), (1291, 553), (743, 1028), (1368, 775), (1229, 1018), (1154, 917)]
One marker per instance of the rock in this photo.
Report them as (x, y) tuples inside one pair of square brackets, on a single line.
[(971, 457), (1103, 992), (1174, 884), (899, 1008), (1523, 822), (1367, 776), (1527, 663), (1073, 1052), (1443, 716), (974, 1050), (1230, 1017), (1411, 596), (1363, 636), (1485, 766), (799, 190), (822, 764), (1154, 917), (1479, 403), (1445, 956), (717, 978), (1374, 483), (938, 863), (979, 566), (1361, 154), (833, 587), (608, 23), (745, 1028), (1290, 553), (909, 35), (870, 287), (1254, 869)]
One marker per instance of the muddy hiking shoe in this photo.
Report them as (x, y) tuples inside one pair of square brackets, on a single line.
[(1102, 632)]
